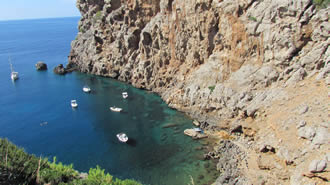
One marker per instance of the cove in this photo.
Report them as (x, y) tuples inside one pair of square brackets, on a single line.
[(86, 136)]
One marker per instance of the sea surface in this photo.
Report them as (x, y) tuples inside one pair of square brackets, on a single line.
[(35, 113)]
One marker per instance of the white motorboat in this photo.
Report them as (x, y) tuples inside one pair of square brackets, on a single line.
[(86, 89), (116, 109), (198, 130), (122, 137), (125, 95), (74, 103), (14, 74)]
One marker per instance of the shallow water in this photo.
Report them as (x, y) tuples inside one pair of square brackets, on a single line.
[(35, 113)]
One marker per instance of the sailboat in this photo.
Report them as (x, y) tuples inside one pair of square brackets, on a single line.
[(14, 74)]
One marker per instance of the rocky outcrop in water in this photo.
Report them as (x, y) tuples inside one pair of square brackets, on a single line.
[(60, 69), (222, 62), (41, 66)]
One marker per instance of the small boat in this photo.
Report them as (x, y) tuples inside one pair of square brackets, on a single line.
[(86, 89), (14, 74), (122, 137), (116, 109), (198, 130), (74, 103), (125, 95)]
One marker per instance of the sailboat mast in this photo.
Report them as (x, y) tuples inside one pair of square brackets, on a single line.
[(11, 65)]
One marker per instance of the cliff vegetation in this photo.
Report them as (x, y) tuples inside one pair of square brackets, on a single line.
[(18, 167)]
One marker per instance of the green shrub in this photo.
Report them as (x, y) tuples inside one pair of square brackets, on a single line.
[(321, 3), (56, 173), (97, 16), (18, 167), (97, 176), (253, 18), (82, 30), (212, 88)]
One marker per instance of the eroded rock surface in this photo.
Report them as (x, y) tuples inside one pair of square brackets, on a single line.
[(218, 61)]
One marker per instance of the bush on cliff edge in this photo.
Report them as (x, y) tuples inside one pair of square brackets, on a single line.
[(18, 167)]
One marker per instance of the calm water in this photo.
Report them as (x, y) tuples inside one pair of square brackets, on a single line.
[(86, 136)]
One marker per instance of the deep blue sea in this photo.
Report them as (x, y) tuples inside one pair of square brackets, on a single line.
[(86, 136)]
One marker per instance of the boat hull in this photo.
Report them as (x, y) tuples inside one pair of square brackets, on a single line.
[(86, 90), (125, 95), (74, 104), (14, 76), (116, 109), (122, 137)]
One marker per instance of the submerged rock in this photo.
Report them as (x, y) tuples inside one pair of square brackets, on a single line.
[(169, 125), (70, 67), (40, 66), (194, 134)]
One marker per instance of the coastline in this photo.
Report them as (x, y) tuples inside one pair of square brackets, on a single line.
[(48, 126), (228, 65)]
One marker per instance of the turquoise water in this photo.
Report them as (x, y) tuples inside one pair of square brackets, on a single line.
[(86, 136)]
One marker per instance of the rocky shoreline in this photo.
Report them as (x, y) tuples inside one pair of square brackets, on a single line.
[(255, 74)]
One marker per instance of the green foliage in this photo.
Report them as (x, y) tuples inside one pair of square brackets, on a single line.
[(57, 173), (82, 30), (321, 3), (97, 176), (212, 88), (18, 167), (97, 16), (125, 182), (253, 18)]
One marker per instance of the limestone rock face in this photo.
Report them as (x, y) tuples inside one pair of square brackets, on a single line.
[(214, 60), (203, 57), (317, 166)]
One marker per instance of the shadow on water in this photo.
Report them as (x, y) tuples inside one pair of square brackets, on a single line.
[(132, 142)]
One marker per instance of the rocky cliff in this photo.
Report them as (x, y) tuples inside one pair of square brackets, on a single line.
[(232, 64)]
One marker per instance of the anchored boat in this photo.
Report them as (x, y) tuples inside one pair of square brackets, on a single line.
[(122, 137), (14, 74), (125, 95), (86, 89), (116, 109), (74, 103)]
